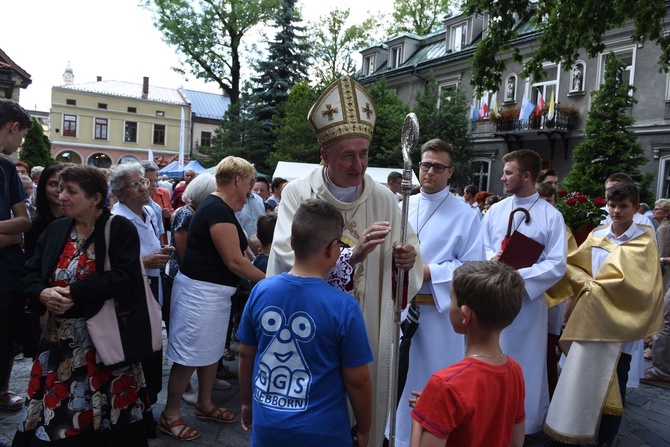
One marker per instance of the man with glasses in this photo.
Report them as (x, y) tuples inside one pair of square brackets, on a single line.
[(394, 182), (525, 340), (435, 344), (343, 119)]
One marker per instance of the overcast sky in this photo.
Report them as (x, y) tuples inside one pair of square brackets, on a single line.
[(113, 39)]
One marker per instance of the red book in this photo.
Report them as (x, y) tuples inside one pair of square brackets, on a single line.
[(521, 251)]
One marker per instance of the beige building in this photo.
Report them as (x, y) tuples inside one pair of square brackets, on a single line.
[(110, 122)]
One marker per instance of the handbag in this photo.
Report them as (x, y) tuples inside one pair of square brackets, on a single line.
[(126, 329)]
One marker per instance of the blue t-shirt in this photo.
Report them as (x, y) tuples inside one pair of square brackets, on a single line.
[(305, 330), (11, 257)]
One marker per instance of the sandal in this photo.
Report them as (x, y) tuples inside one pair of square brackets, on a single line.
[(652, 379), (225, 373), (10, 401), (228, 355), (216, 414), (185, 433)]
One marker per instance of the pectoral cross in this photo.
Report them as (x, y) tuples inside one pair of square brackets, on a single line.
[(330, 111)]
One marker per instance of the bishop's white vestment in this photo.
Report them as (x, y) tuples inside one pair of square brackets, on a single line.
[(525, 340), (372, 277), (448, 231)]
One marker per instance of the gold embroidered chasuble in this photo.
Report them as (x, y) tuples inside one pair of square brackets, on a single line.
[(623, 303)]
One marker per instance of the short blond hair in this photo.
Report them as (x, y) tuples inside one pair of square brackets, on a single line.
[(230, 167)]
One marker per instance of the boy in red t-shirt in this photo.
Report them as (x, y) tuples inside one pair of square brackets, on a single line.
[(479, 400)]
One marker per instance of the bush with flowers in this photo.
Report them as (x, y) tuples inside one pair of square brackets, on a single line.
[(578, 209)]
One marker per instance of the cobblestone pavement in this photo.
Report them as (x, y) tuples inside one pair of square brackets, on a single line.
[(646, 421)]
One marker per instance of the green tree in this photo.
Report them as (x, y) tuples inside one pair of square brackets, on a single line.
[(565, 28), (208, 36), (238, 135), (385, 150), (447, 121), (608, 146), (286, 64), (420, 17), (36, 149), (295, 137), (338, 44)]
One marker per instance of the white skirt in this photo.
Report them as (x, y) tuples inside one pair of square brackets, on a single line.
[(199, 314)]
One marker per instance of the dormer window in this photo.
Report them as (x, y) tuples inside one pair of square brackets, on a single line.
[(396, 56), (459, 36), (368, 65)]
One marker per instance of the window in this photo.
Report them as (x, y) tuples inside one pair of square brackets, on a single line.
[(459, 36), (205, 138), (102, 105), (71, 102), (445, 90), (369, 65), (396, 56), (159, 134), (69, 125), (132, 109), (100, 129), (100, 160), (481, 171), (547, 86), (160, 113), (627, 55), (130, 134)]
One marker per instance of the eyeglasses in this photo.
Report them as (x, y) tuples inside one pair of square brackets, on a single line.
[(437, 167), (136, 185), (342, 245)]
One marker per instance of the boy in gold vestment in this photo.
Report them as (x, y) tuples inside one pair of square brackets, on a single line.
[(616, 279)]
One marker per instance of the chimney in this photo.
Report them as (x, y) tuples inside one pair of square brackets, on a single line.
[(145, 88), (99, 78)]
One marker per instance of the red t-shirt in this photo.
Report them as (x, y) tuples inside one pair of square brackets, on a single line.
[(473, 403)]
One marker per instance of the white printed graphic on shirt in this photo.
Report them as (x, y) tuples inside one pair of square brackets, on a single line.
[(283, 377)]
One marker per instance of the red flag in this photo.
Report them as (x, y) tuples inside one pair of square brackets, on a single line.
[(540, 104)]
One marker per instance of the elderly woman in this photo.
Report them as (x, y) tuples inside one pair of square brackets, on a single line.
[(662, 216), (72, 401), (131, 190), (210, 271)]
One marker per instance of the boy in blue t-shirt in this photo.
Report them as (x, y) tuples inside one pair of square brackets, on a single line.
[(304, 348)]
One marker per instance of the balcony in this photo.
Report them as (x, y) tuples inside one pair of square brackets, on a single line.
[(508, 126)]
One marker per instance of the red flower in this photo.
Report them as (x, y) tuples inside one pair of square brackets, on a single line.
[(571, 201), (99, 375), (581, 198), (81, 422), (124, 391), (56, 391), (599, 202), (35, 379), (562, 193)]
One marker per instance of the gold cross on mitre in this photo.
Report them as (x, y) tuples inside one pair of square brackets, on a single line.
[(367, 109), (330, 111)]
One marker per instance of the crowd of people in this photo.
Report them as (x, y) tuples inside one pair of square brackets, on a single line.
[(496, 288)]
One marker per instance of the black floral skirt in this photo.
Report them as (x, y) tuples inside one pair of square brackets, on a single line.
[(72, 401)]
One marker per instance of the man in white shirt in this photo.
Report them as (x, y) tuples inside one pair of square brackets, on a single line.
[(525, 339), (435, 344)]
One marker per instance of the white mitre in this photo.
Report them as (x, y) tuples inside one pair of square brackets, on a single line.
[(344, 110)]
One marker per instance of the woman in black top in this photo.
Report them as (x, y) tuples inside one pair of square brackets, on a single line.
[(208, 276)]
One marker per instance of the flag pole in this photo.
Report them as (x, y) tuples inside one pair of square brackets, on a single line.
[(409, 140)]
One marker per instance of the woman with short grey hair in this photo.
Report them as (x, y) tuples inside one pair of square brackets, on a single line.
[(131, 189)]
